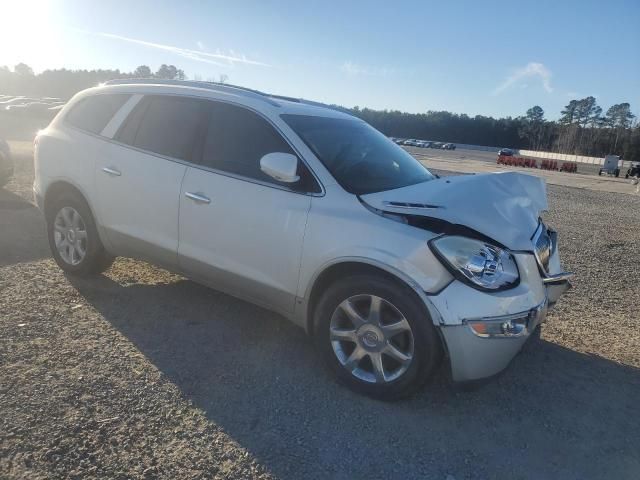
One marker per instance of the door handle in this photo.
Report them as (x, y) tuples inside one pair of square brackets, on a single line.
[(111, 171), (197, 197)]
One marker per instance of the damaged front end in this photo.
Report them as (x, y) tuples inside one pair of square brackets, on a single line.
[(504, 261), (501, 210)]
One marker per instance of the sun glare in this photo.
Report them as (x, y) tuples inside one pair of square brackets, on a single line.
[(28, 33)]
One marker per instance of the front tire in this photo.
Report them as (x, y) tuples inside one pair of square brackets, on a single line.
[(376, 336), (73, 237)]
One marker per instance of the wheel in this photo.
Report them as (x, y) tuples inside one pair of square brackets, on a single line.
[(599, 172), (73, 237), (617, 172), (376, 336)]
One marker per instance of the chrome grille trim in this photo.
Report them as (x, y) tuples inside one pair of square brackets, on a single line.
[(544, 241)]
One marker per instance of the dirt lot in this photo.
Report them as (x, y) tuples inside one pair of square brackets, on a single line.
[(142, 374)]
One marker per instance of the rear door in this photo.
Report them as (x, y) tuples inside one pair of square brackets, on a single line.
[(138, 180), (240, 230)]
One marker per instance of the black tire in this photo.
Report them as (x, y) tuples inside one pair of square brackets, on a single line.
[(617, 173), (427, 346), (599, 172), (96, 259)]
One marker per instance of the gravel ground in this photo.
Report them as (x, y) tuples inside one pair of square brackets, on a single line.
[(139, 373)]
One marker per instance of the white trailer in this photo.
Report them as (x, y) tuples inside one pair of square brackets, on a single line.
[(611, 165)]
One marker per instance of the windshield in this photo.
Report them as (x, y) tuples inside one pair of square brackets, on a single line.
[(360, 158)]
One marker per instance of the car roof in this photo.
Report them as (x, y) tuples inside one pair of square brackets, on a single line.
[(277, 104)]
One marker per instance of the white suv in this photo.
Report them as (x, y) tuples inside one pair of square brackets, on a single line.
[(307, 211)]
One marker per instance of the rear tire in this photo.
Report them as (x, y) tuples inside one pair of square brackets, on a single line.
[(389, 355), (73, 237)]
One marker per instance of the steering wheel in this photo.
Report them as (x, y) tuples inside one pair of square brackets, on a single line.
[(346, 168)]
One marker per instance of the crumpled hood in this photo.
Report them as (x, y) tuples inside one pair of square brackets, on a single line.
[(502, 206)]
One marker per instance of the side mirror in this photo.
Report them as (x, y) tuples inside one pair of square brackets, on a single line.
[(281, 166)]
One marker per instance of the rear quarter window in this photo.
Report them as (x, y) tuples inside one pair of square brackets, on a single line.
[(93, 113)]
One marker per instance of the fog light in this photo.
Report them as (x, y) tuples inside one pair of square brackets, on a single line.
[(513, 327)]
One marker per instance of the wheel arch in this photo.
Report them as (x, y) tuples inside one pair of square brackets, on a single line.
[(353, 266), (62, 186)]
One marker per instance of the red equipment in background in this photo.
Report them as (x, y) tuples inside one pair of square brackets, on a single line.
[(571, 167)]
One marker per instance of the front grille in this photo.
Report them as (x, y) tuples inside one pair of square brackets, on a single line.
[(543, 246)]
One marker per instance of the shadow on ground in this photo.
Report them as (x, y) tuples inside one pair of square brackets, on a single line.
[(555, 413), (23, 236)]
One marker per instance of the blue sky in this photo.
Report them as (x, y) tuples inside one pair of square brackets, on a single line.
[(491, 57)]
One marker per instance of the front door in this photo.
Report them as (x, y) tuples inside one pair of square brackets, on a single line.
[(240, 230)]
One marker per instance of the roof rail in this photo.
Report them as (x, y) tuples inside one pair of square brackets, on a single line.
[(224, 87), (220, 87)]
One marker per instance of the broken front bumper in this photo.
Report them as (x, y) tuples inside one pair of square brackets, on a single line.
[(484, 344), (474, 356)]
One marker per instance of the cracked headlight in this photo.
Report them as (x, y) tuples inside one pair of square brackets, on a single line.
[(477, 263)]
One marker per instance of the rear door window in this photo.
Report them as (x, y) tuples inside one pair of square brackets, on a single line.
[(94, 112), (167, 125)]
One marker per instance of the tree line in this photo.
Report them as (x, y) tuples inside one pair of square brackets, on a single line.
[(582, 129), (63, 83)]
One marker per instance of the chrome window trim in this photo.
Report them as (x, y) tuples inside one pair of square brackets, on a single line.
[(203, 167), (111, 128)]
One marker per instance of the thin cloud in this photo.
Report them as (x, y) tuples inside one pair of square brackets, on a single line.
[(218, 58), (531, 70), (352, 69), (200, 45)]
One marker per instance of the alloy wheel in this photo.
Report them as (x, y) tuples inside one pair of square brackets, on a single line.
[(70, 235), (371, 339)]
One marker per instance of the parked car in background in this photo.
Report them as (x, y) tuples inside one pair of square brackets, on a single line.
[(6, 163), (505, 152), (16, 101), (449, 146), (410, 142), (29, 108), (309, 212), (436, 145), (423, 144), (22, 107), (633, 170)]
